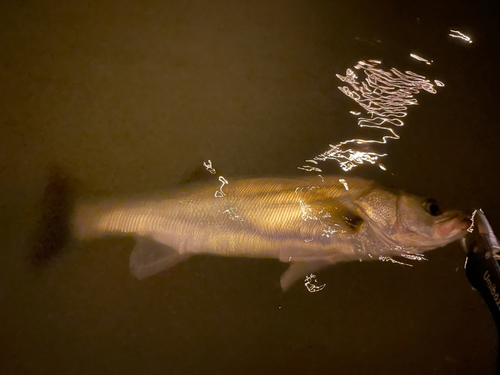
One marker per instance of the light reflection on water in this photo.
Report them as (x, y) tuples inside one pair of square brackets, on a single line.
[(384, 96), (460, 35)]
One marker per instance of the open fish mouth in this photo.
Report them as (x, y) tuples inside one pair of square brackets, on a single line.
[(456, 226)]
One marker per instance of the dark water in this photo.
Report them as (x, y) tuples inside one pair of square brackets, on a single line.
[(133, 96)]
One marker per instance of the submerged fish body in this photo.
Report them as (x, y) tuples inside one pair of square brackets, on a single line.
[(309, 222)]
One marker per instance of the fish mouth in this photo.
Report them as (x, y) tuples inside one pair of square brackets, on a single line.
[(454, 225)]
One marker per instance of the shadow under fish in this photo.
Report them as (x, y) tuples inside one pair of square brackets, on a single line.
[(309, 222), (53, 227)]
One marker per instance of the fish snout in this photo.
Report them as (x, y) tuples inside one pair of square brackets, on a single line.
[(466, 221), (455, 226)]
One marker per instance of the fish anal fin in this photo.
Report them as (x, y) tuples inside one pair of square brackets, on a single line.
[(150, 257), (299, 270)]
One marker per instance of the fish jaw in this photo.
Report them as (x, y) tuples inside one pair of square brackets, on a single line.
[(452, 229), (445, 231)]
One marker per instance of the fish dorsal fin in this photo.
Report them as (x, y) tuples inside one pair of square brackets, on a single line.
[(150, 257), (299, 270)]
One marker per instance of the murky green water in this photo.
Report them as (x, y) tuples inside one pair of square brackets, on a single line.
[(133, 96)]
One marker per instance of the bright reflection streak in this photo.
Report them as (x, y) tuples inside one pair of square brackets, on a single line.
[(419, 58), (208, 166), (460, 35), (231, 211), (308, 168), (389, 259), (310, 281), (385, 97), (419, 257), (232, 214), (471, 226), (344, 182), (219, 193), (438, 83)]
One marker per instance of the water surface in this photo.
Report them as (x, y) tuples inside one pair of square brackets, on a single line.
[(128, 97)]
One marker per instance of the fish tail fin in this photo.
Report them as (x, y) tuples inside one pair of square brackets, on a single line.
[(53, 227)]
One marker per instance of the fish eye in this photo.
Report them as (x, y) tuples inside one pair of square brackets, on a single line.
[(432, 207)]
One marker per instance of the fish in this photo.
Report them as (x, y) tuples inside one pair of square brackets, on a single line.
[(308, 222)]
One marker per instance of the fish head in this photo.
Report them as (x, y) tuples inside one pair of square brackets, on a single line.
[(410, 222)]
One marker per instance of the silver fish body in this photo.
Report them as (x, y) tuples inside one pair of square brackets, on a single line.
[(309, 222)]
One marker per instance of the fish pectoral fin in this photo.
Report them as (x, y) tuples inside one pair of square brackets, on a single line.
[(150, 257), (299, 270)]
